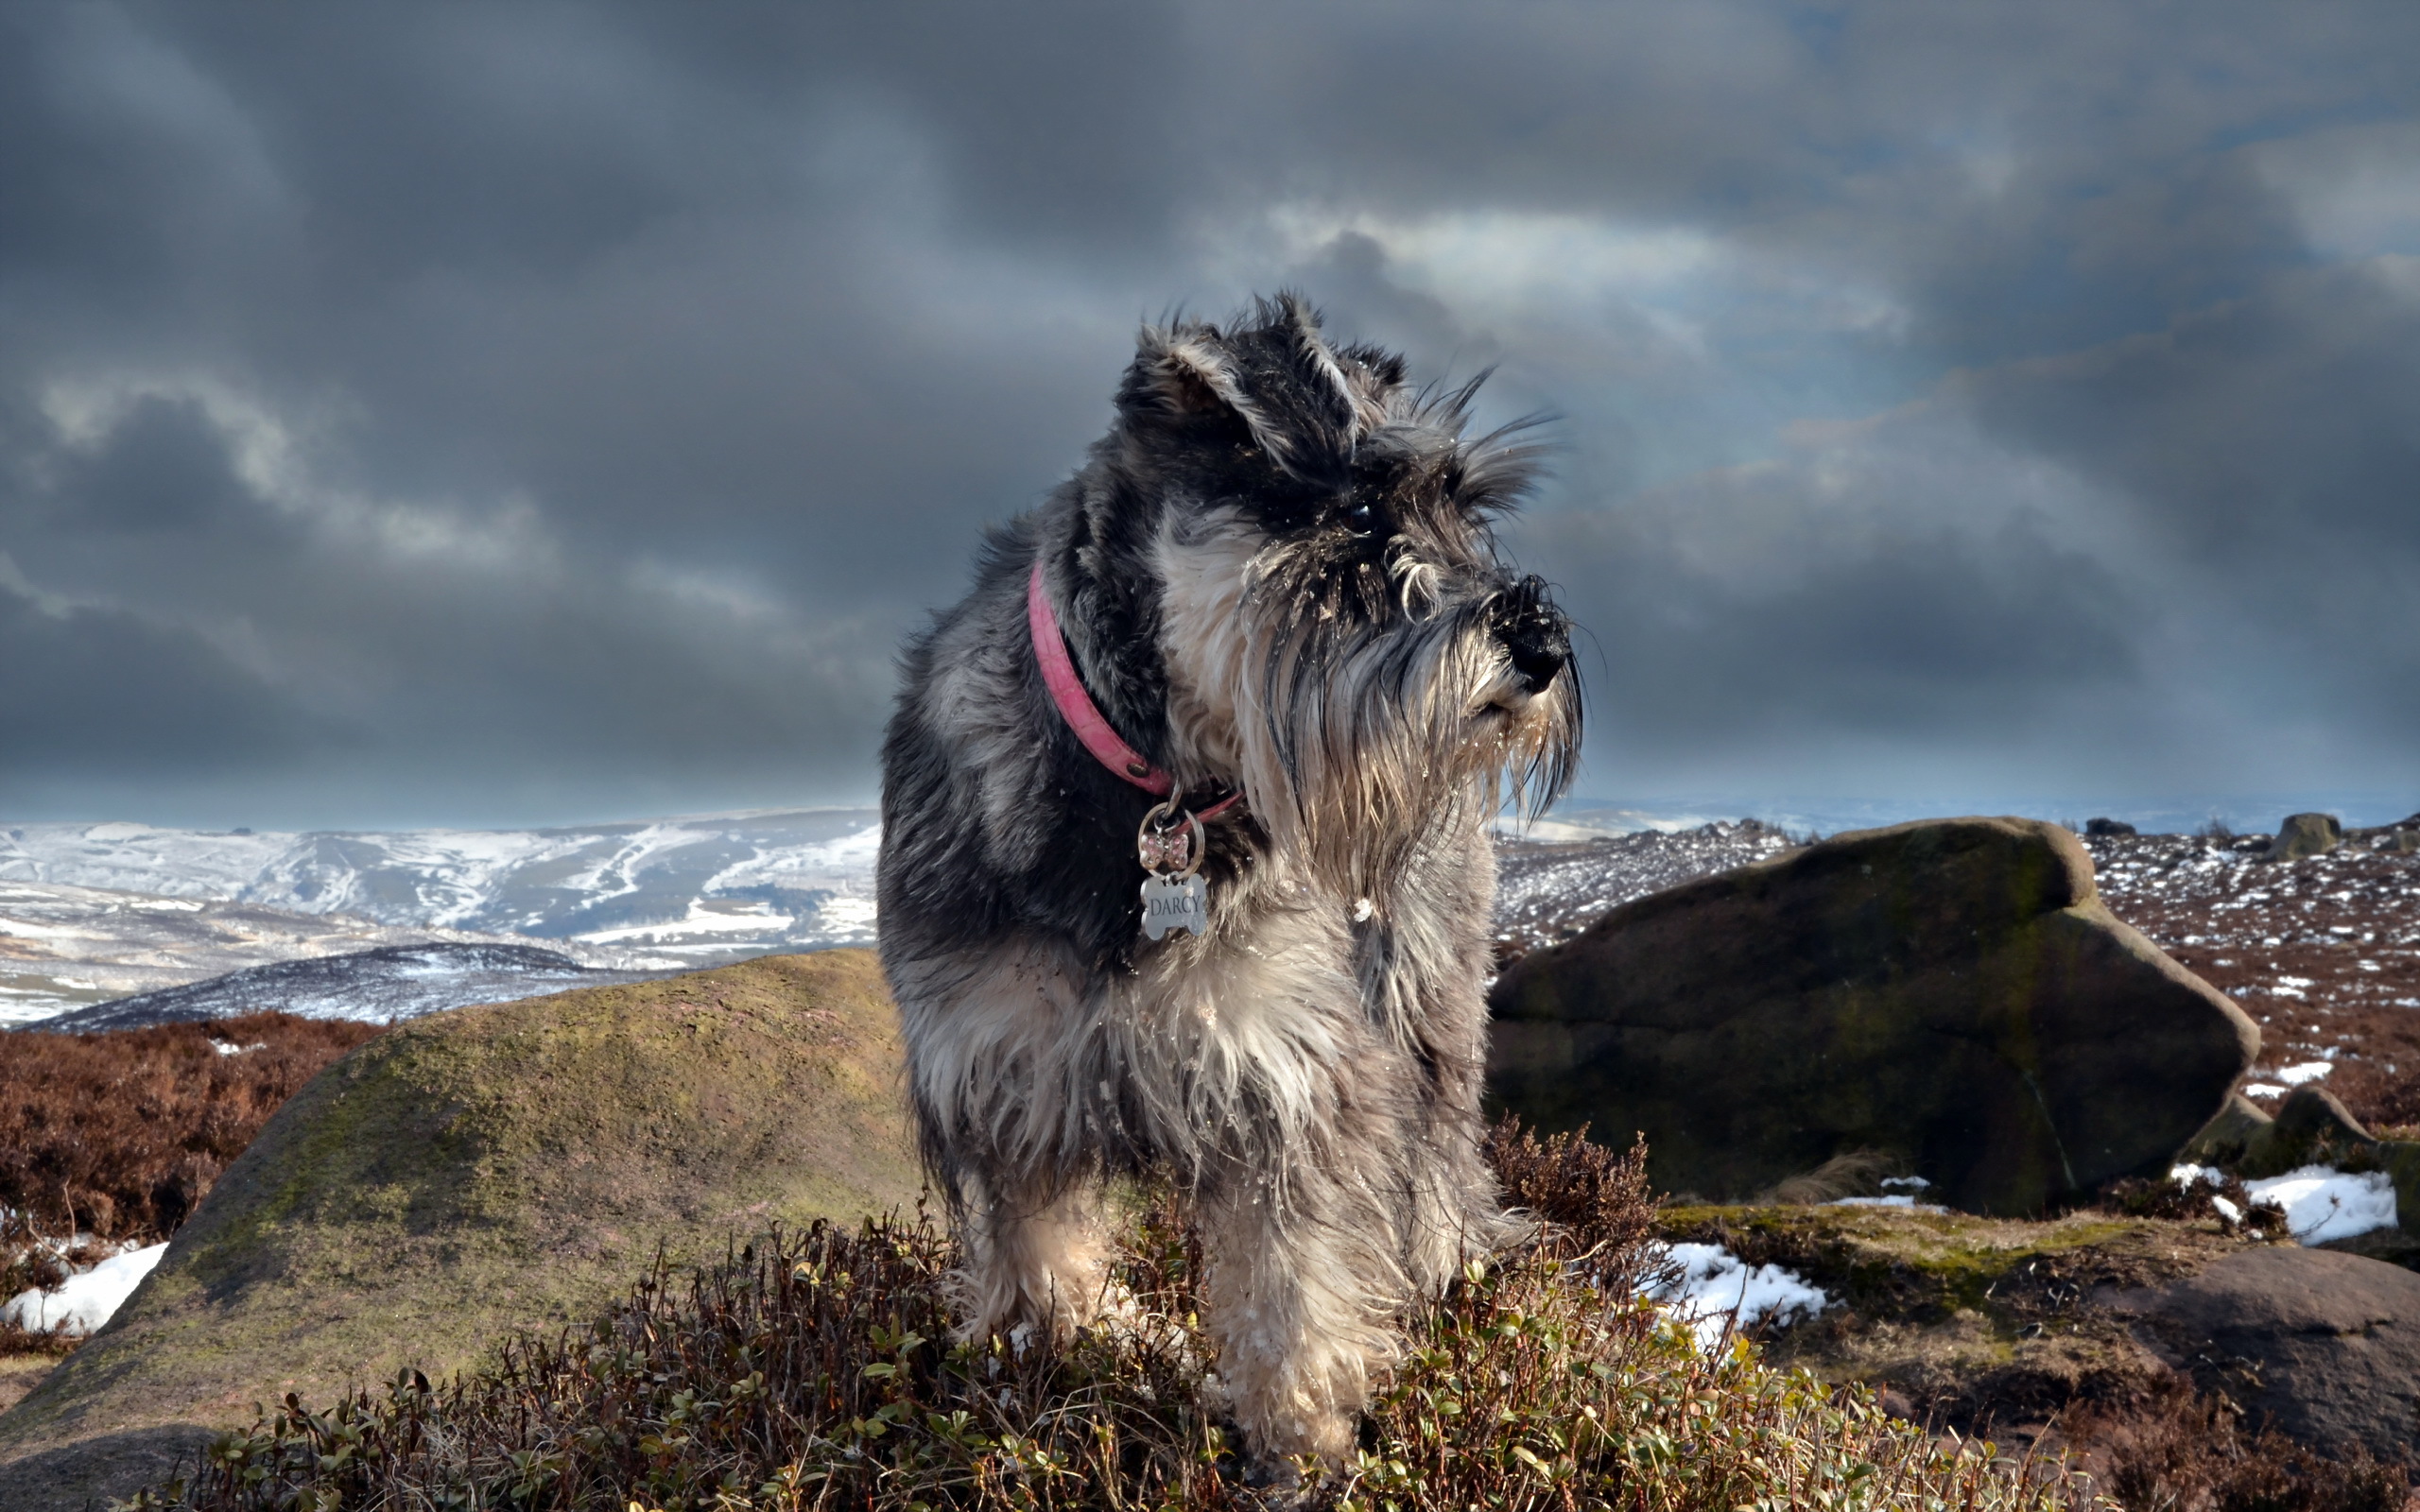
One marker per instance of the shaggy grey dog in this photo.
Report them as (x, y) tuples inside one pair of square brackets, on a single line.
[(1275, 578)]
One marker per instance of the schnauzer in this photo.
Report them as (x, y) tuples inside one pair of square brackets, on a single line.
[(1184, 854)]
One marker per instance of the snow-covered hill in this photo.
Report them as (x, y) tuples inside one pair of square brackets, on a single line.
[(378, 985), (684, 891), (64, 947)]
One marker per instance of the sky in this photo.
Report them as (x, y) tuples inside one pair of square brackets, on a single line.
[(515, 413)]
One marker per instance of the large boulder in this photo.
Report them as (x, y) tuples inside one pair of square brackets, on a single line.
[(1949, 995), (464, 1175), (2325, 1345), (2305, 834)]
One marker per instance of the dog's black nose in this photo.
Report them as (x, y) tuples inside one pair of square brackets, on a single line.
[(1534, 633), (1537, 661)]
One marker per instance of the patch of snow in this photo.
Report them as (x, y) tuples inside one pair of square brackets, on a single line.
[(88, 1299), (2307, 1071), (2189, 1176), (226, 1049), (1713, 1289), (2262, 1088), (2321, 1203)]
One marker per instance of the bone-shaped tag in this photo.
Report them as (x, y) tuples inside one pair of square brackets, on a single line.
[(1175, 903)]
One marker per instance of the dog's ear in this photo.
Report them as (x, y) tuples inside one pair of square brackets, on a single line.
[(1180, 372), (1190, 373), (1306, 394)]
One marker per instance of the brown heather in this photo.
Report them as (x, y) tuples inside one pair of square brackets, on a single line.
[(2177, 1449), (815, 1370), (117, 1135)]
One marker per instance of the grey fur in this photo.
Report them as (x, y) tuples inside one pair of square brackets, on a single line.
[(1274, 573)]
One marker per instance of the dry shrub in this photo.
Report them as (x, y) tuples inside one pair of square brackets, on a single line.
[(817, 1370), (117, 1135), (2177, 1451), (2147, 1197), (1599, 1196)]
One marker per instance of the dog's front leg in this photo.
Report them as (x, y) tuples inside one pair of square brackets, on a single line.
[(1036, 1258), (1302, 1295)]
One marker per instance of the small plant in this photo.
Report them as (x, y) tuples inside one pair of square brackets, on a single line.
[(1599, 1198), (2197, 1200), (817, 1370)]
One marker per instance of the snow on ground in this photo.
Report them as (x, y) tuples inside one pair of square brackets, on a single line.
[(382, 985), (1547, 892), (564, 882), (88, 1299), (65, 947), (2323, 953), (2320, 1203), (659, 895), (1714, 1291)]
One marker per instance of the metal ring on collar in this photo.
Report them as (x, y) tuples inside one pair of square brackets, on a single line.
[(1199, 846)]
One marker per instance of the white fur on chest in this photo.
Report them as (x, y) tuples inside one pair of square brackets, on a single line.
[(1204, 576)]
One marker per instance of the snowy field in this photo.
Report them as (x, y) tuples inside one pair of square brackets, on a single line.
[(94, 913), (688, 888)]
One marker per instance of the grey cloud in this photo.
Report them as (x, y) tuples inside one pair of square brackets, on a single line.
[(110, 694), (637, 374)]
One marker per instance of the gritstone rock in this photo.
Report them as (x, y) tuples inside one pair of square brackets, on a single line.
[(2102, 827), (491, 1168), (2324, 1345), (1949, 995), (2305, 834), (2310, 1128)]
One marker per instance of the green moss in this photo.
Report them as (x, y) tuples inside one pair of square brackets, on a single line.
[(1903, 1264), (502, 1166), (1977, 1321)]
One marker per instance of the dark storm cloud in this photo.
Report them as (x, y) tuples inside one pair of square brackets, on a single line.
[(501, 413)]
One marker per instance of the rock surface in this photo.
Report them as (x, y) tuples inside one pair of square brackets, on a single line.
[(1949, 994), (512, 1165), (2305, 835), (2326, 1345), (2311, 1128)]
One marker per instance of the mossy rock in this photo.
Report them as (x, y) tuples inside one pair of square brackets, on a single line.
[(1949, 996), (2303, 836), (1973, 1323), (478, 1171)]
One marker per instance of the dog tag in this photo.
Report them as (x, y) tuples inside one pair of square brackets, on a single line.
[(1175, 903)]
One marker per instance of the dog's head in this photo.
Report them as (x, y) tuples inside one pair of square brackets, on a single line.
[(1339, 627)]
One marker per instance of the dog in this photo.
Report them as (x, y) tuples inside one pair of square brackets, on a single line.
[(1185, 865)]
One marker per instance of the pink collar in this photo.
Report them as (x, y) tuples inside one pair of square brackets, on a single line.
[(1076, 706)]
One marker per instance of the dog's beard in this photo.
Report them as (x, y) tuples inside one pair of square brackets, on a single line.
[(1362, 742)]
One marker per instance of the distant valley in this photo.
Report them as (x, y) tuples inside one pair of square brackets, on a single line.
[(93, 912)]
